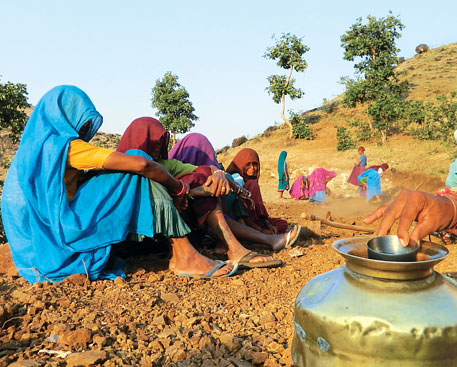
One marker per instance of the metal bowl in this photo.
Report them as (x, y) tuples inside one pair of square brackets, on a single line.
[(388, 248)]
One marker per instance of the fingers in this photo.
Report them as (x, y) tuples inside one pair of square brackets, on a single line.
[(378, 213)]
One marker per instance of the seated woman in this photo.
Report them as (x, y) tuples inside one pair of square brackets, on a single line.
[(299, 189), (246, 168), (58, 224), (196, 149), (317, 184), (371, 181), (147, 134)]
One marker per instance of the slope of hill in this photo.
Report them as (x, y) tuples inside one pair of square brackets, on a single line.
[(414, 163)]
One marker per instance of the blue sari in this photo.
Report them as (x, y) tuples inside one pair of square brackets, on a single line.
[(373, 181), (50, 237), (283, 183)]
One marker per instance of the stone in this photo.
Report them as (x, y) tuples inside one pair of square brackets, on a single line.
[(230, 342), (238, 141), (89, 358), (77, 279), (170, 297), (267, 317), (75, 338), (26, 363), (420, 49)]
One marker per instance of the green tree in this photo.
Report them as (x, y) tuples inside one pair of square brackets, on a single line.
[(377, 83), (288, 51), (175, 110), (13, 103)]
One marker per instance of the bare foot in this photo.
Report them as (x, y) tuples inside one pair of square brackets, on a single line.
[(281, 239), (197, 264)]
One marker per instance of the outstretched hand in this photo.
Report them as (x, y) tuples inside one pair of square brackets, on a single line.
[(432, 213)]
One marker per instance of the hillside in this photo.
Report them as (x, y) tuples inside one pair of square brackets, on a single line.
[(413, 162)]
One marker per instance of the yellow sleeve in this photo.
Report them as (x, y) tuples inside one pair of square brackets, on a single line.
[(85, 156)]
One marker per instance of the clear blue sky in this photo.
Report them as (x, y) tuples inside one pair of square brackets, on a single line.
[(116, 50)]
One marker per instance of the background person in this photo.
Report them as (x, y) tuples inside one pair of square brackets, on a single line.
[(283, 174)]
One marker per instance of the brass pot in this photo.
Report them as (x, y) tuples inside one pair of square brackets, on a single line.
[(375, 313)]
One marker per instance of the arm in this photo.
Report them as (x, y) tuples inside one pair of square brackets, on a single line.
[(143, 167), (432, 213)]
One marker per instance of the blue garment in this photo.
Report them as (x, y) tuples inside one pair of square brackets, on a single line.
[(451, 180), (363, 160), (373, 182), (283, 183), (49, 236), (318, 197)]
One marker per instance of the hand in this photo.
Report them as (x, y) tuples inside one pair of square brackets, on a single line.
[(432, 213), (217, 184), (244, 194), (273, 229), (248, 203), (181, 203)]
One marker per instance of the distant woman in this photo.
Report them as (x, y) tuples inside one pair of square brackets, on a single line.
[(359, 167), (283, 174), (317, 182), (371, 181), (299, 189), (246, 167)]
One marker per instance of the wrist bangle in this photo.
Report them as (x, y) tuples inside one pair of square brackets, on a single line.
[(183, 190)]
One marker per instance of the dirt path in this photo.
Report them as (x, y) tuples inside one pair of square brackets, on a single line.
[(157, 319)]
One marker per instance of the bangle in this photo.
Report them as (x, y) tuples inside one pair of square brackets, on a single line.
[(218, 170), (183, 190)]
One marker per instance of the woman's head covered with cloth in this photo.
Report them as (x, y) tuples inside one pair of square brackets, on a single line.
[(246, 163), (51, 237), (195, 149), (146, 134)]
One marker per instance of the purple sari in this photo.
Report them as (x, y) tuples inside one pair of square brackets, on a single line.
[(195, 149)]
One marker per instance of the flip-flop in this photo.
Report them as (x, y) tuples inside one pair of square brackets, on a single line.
[(290, 244), (244, 261), (209, 274)]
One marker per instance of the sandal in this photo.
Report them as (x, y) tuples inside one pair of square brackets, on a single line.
[(245, 261)]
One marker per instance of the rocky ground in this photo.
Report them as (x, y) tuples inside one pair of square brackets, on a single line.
[(155, 318)]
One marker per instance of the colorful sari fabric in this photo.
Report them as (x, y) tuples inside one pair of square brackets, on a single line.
[(373, 182), (259, 213), (298, 190), (317, 182), (283, 174), (145, 133), (50, 237), (358, 170), (195, 149), (451, 180)]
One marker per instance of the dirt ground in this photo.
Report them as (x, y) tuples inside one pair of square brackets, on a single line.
[(155, 318)]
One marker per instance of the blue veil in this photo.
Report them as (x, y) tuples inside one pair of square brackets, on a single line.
[(49, 236)]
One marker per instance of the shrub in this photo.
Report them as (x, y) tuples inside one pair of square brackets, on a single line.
[(300, 126), (344, 139)]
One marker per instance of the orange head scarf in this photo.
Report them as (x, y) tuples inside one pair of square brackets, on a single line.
[(241, 160)]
